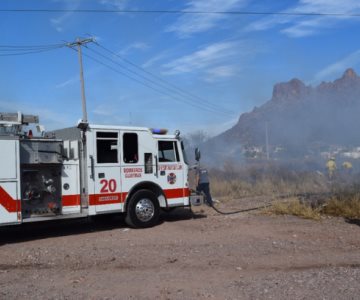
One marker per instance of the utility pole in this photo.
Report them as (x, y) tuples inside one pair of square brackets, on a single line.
[(78, 43), (83, 125), (267, 141)]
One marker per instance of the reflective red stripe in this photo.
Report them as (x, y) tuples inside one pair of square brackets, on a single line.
[(186, 192), (177, 193), (102, 199), (70, 200), (12, 205), (8, 202)]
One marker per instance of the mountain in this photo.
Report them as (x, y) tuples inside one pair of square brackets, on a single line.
[(297, 118)]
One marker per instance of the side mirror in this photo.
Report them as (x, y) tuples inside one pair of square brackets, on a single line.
[(197, 154)]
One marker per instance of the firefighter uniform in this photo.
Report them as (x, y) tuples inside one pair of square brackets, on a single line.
[(331, 167), (204, 184), (346, 169), (347, 166)]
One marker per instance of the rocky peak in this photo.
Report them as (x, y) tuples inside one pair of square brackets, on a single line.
[(292, 89), (349, 79), (298, 116), (349, 73)]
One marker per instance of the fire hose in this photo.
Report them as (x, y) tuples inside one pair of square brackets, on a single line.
[(301, 195), (239, 211)]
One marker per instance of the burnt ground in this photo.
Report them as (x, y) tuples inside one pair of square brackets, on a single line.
[(196, 255)]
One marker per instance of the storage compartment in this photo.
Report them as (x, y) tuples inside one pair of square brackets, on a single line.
[(9, 162), (41, 151), (41, 190), (41, 165)]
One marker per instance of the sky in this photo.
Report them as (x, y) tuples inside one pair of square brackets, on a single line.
[(178, 71)]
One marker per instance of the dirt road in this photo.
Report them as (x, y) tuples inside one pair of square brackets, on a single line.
[(200, 256)]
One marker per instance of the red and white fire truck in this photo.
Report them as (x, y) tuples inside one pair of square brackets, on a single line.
[(90, 170)]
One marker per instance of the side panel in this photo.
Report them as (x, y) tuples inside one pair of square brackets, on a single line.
[(71, 201), (10, 205), (70, 178), (9, 159), (171, 173), (161, 162), (143, 169), (104, 171)]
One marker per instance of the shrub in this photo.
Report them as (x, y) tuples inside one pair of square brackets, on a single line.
[(296, 208), (347, 206), (264, 179)]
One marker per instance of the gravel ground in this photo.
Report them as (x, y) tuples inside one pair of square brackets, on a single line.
[(200, 255)]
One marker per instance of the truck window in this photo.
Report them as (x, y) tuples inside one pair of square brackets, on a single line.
[(148, 158), (168, 151), (104, 150), (130, 148)]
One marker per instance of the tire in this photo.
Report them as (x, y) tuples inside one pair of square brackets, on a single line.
[(143, 210)]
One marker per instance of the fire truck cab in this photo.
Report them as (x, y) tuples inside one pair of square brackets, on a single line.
[(78, 172)]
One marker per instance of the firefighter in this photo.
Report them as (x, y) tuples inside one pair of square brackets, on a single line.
[(347, 167), (203, 184), (346, 170), (331, 167)]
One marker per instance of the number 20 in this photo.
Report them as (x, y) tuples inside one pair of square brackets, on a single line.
[(108, 186)]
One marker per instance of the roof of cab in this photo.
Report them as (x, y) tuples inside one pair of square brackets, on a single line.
[(132, 128), (117, 127)]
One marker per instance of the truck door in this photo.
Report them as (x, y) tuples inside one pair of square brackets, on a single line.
[(171, 172), (104, 171)]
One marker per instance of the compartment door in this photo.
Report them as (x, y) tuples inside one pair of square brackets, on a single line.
[(171, 172), (10, 205), (105, 172)]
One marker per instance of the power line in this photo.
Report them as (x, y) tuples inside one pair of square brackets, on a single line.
[(23, 53), (149, 86), (9, 50), (173, 91), (127, 11), (162, 85), (31, 46), (174, 87), (13, 51), (145, 84)]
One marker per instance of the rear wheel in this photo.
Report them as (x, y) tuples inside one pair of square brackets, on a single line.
[(143, 210)]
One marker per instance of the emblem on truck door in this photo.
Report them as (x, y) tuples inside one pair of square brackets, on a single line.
[(171, 178)]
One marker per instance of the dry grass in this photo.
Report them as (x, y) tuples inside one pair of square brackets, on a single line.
[(294, 207), (234, 183), (340, 206), (274, 180)]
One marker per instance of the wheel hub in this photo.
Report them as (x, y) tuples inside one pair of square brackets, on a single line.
[(144, 210)]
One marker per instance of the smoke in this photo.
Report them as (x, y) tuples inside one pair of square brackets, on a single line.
[(301, 125)]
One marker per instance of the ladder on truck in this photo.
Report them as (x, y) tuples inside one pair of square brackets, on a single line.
[(18, 119), (11, 123)]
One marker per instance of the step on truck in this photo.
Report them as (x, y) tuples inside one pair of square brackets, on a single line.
[(89, 170)]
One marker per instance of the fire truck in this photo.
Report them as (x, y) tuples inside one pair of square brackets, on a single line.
[(89, 170)]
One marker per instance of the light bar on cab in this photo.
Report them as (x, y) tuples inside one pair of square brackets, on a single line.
[(158, 130)]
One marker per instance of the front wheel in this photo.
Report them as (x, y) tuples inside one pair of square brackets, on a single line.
[(143, 210)]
